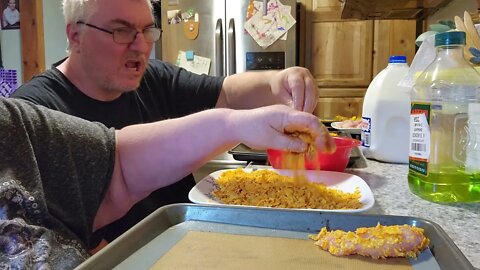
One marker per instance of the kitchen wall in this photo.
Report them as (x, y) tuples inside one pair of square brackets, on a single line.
[(454, 8), (11, 51), (55, 39)]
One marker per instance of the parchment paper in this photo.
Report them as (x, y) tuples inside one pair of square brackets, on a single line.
[(207, 250)]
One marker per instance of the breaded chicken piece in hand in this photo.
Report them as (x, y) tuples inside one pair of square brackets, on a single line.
[(376, 242)]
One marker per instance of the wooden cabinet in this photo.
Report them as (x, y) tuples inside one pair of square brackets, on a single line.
[(392, 37), (339, 101), (345, 55), (324, 10), (341, 53)]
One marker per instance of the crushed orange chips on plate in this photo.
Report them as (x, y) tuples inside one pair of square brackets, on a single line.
[(270, 189)]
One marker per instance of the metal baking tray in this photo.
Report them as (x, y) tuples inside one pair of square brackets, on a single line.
[(145, 243), (245, 153)]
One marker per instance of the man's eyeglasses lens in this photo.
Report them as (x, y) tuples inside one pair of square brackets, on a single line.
[(128, 35), (124, 35)]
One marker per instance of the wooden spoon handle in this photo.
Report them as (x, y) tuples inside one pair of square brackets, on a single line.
[(459, 24), (471, 30), (461, 27)]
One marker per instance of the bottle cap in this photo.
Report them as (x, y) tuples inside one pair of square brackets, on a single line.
[(450, 38), (397, 59)]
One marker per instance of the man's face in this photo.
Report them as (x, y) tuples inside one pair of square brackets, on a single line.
[(11, 4), (116, 67)]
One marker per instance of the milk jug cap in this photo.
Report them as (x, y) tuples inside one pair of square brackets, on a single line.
[(397, 59), (450, 38)]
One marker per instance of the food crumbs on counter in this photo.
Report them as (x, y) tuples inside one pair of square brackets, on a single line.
[(376, 242), (270, 189)]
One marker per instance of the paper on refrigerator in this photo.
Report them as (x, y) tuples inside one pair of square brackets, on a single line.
[(265, 30), (258, 7), (199, 64)]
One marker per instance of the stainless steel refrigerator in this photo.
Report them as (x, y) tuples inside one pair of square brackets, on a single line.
[(221, 36)]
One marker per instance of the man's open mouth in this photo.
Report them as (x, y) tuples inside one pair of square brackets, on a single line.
[(134, 65)]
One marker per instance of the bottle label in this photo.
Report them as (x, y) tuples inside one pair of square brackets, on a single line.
[(419, 137), (366, 131)]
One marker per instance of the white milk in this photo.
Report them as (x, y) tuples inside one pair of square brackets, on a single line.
[(386, 115)]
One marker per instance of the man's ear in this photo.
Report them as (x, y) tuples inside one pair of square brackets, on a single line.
[(73, 36)]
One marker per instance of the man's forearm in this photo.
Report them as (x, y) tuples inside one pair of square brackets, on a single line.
[(247, 90), (164, 152), (154, 155), (294, 87)]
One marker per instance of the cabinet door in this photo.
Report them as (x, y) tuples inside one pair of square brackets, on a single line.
[(346, 102), (326, 10), (393, 37), (340, 52)]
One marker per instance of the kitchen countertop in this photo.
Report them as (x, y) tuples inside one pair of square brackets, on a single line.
[(389, 185), (393, 197)]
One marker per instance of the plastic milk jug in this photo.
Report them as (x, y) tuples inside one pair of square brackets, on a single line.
[(444, 163), (386, 114)]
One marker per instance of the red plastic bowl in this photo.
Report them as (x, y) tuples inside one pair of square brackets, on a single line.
[(336, 161)]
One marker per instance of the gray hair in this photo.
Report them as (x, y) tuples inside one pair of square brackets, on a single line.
[(76, 10), (81, 10)]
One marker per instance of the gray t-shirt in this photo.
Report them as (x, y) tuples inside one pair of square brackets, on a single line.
[(54, 172)]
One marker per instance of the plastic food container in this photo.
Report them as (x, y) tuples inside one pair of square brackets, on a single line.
[(336, 161)]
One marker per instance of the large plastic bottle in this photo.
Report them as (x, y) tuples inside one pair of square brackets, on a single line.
[(386, 114), (444, 163)]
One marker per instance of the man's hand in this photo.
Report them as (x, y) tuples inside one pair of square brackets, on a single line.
[(296, 87), (273, 126)]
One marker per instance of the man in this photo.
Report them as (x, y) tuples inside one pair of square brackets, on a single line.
[(107, 77), (63, 179)]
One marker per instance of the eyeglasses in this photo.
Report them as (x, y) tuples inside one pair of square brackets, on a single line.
[(126, 35)]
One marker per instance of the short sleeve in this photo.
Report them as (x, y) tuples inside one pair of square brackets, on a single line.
[(64, 162)]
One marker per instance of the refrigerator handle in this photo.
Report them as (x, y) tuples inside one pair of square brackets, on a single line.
[(219, 48), (232, 65)]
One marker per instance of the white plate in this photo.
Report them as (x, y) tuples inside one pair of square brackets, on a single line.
[(336, 125), (202, 192)]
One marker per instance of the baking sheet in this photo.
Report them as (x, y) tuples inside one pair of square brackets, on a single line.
[(245, 153), (143, 245)]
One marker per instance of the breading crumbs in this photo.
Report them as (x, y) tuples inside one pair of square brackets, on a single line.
[(268, 188)]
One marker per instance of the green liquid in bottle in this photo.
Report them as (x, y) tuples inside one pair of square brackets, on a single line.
[(449, 185), (444, 158)]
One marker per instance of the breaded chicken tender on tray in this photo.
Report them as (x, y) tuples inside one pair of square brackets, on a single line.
[(376, 242)]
